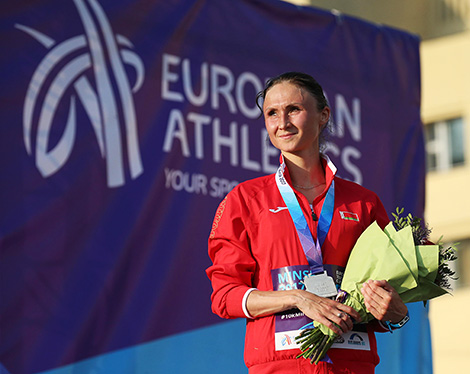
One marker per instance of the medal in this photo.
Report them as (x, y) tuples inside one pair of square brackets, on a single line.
[(320, 284)]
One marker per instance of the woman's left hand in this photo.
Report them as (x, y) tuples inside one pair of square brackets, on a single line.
[(382, 301)]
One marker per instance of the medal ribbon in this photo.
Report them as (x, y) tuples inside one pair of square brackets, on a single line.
[(312, 249)]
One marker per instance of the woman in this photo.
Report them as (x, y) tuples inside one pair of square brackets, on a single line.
[(271, 231)]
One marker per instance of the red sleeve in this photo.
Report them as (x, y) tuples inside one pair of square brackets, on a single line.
[(233, 266), (377, 327), (381, 215)]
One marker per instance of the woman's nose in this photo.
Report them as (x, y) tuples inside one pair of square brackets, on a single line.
[(285, 122)]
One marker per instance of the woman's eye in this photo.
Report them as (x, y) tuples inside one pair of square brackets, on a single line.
[(271, 113), (294, 109)]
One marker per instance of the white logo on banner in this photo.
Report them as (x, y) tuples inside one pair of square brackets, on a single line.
[(101, 104)]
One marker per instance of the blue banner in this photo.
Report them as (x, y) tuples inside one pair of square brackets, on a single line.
[(124, 124)]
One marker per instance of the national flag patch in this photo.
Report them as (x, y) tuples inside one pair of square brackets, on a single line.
[(349, 216)]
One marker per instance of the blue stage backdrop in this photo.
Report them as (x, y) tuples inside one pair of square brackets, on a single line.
[(124, 124)]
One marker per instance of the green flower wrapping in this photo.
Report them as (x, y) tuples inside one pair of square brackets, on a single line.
[(400, 258)]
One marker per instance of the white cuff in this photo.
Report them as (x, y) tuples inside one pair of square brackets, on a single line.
[(245, 297)]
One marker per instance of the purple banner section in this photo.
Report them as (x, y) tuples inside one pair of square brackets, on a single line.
[(124, 125)]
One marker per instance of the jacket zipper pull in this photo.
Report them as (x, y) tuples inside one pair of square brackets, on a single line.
[(314, 216)]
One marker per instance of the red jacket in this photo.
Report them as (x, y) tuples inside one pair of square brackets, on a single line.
[(253, 233)]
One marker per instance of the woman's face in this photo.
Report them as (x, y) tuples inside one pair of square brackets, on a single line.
[(292, 119)]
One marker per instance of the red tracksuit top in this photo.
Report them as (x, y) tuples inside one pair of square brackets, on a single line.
[(251, 236)]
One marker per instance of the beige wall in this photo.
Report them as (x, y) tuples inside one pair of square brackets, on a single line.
[(450, 330), (426, 18), (445, 64)]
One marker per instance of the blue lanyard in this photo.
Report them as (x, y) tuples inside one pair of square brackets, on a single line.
[(312, 249)]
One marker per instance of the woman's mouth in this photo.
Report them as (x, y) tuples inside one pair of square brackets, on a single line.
[(286, 136)]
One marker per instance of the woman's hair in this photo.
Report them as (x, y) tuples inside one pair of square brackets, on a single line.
[(302, 80), (306, 82)]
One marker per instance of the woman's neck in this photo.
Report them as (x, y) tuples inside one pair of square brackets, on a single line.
[(306, 173)]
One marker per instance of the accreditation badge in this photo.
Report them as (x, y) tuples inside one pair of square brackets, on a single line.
[(289, 323)]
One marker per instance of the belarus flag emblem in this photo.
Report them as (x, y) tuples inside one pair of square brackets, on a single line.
[(348, 216)]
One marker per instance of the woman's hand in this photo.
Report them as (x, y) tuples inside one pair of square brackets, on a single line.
[(334, 315), (383, 301)]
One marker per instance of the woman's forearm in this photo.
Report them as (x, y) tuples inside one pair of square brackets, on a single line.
[(263, 303)]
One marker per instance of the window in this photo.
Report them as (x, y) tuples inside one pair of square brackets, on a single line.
[(462, 265), (445, 144)]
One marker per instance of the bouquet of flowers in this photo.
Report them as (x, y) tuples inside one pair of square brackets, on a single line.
[(401, 254)]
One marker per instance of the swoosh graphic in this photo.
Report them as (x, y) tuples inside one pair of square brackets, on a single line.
[(278, 209)]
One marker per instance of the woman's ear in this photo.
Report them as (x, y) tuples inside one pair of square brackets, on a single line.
[(325, 115)]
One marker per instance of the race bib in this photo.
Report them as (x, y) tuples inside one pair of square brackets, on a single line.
[(357, 339), (288, 324)]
